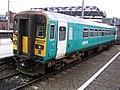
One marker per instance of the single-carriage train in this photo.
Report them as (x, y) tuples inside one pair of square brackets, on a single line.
[(48, 40)]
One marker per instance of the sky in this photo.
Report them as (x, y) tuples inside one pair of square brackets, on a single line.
[(111, 7)]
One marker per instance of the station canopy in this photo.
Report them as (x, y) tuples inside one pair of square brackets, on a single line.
[(89, 11)]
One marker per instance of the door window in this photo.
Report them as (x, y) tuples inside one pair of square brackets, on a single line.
[(71, 33), (62, 33)]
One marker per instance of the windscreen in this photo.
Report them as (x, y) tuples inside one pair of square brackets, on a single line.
[(40, 26)]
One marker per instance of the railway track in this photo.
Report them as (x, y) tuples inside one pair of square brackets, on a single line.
[(8, 60), (7, 64), (8, 76)]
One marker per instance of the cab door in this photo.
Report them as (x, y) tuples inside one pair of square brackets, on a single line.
[(61, 40), (52, 30)]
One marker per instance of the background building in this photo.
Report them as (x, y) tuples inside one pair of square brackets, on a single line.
[(4, 22)]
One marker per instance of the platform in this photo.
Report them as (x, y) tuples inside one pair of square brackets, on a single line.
[(6, 48)]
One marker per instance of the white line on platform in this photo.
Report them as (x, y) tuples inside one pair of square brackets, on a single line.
[(3, 56), (98, 73)]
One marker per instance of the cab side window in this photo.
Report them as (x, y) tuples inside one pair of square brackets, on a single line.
[(52, 31)]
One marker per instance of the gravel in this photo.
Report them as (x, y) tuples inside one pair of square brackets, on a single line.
[(6, 70), (109, 79)]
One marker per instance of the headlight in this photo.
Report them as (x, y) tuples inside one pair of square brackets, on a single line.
[(39, 46), (15, 42)]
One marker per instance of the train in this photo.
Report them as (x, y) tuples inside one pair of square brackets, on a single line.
[(118, 35), (45, 41)]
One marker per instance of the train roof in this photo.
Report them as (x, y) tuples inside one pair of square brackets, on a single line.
[(67, 18)]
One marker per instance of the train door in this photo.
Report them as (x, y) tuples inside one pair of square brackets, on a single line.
[(70, 42), (62, 40), (26, 30), (52, 39), (24, 27)]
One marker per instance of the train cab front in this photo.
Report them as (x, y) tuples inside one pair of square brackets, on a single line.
[(29, 42)]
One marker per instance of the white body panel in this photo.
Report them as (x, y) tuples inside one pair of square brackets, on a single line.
[(61, 45)]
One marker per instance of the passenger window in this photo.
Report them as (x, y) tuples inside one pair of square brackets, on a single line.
[(85, 32), (96, 32), (114, 32), (100, 32), (71, 33), (62, 33), (107, 32), (52, 31), (110, 32), (104, 32), (91, 32)]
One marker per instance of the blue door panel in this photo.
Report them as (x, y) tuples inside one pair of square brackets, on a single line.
[(51, 43), (70, 39)]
